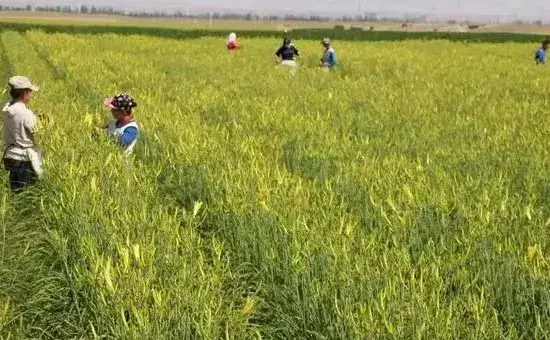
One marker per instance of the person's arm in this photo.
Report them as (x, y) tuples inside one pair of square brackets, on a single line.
[(332, 59), (129, 136), (279, 52), (296, 52), (29, 124)]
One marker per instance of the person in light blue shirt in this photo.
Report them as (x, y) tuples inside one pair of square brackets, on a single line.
[(541, 55), (329, 60)]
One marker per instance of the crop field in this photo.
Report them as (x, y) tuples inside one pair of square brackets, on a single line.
[(404, 196)]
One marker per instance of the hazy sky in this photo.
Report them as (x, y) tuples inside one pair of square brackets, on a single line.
[(521, 8)]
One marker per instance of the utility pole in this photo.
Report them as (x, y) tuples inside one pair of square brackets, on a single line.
[(254, 13)]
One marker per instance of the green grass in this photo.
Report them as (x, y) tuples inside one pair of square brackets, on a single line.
[(403, 196)]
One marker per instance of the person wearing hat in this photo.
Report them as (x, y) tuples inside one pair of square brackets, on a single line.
[(21, 157), (232, 44), (541, 54), (123, 128), (329, 60), (287, 53)]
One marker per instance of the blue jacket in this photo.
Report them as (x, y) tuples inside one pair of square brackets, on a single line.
[(129, 136), (125, 133), (329, 58), (540, 56)]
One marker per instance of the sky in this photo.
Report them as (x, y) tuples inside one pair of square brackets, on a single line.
[(514, 8)]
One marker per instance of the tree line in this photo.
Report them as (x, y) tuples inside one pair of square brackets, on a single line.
[(250, 16)]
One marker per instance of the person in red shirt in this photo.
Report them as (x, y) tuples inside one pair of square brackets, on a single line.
[(232, 44)]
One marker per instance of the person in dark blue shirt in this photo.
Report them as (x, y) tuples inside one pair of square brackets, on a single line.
[(541, 55), (288, 53)]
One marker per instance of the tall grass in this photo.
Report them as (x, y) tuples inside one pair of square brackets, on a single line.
[(403, 196)]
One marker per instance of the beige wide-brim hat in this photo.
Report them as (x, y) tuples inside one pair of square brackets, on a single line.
[(22, 83)]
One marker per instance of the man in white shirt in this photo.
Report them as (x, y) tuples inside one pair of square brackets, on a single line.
[(21, 157)]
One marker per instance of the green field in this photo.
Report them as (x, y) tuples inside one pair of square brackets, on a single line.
[(404, 196)]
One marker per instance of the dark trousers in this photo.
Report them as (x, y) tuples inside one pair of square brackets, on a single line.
[(21, 174)]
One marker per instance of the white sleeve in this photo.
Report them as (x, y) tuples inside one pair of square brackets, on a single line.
[(30, 121)]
